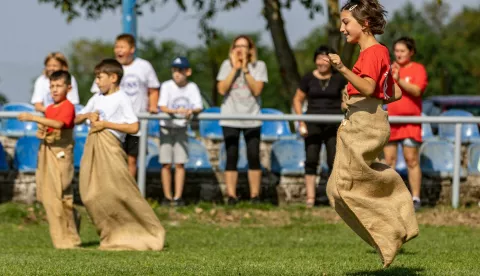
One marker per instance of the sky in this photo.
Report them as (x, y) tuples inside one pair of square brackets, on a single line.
[(30, 31)]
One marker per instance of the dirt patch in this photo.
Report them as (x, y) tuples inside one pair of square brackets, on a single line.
[(439, 216)]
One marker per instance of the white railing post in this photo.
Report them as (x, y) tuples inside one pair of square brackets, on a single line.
[(457, 166), (142, 156)]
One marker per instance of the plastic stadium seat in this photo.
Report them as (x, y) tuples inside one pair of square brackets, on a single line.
[(211, 129), (78, 151), (16, 128), (242, 164), (198, 159), (152, 147), (152, 163), (153, 128), (83, 129), (4, 167), (275, 130), (26, 154), (323, 160), (473, 165), (288, 157), (437, 159), (401, 165), (469, 133)]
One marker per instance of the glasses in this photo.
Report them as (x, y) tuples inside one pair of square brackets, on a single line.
[(240, 46)]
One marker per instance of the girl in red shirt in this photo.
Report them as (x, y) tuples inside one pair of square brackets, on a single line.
[(412, 79), (369, 196)]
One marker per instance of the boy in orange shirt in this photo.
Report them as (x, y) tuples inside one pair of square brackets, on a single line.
[(54, 173)]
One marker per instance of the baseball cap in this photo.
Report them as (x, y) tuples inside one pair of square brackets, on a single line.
[(181, 62)]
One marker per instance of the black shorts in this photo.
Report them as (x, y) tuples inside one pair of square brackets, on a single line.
[(131, 145)]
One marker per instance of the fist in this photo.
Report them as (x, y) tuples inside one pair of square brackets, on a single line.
[(25, 117), (335, 61), (97, 126), (153, 109), (93, 116)]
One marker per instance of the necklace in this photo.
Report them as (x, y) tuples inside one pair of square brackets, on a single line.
[(324, 83)]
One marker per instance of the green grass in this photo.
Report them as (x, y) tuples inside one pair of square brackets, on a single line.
[(201, 242)]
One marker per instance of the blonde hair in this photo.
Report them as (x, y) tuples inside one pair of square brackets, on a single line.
[(252, 48), (58, 57)]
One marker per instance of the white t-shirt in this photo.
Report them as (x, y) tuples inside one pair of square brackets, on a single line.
[(41, 92), (174, 97), (115, 108)]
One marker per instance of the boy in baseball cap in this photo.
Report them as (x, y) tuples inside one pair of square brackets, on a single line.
[(179, 96)]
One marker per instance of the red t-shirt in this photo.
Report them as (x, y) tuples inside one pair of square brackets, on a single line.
[(64, 112), (409, 105), (374, 62)]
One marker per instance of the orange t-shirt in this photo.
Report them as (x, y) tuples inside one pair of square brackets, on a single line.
[(409, 105), (64, 112), (374, 62)]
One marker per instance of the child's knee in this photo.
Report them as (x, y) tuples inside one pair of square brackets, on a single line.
[(166, 166), (180, 166)]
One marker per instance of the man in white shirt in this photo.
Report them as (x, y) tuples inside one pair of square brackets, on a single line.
[(179, 96), (141, 84)]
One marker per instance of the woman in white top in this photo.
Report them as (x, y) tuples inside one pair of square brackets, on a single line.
[(241, 79), (41, 93)]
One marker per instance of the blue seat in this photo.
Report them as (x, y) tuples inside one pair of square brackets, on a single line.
[(401, 165), (4, 167), (275, 130), (16, 128), (288, 157), (83, 129), (152, 147), (242, 164), (78, 151), (211, 129), (198, 159), (152, 163), (190, 131), (473, 165), (469, 132), (153, 128), (26, 154), (323, 160), (437, 159)]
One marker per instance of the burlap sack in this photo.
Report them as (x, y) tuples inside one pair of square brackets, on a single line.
[(54, 177), (123, 218), (369, 196)]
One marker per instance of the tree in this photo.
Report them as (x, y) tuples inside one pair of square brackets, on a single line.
[(448, 50), (272, 12)]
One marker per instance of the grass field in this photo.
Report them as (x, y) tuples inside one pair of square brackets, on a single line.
[(208, 240)]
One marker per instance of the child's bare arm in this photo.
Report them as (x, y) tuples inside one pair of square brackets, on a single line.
[(167, 110), (80, 118), (40, 107), (153, 94), (41, 120), (125, 128)]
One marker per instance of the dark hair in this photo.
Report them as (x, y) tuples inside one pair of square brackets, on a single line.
[(369, 13), (61, 75), (323, 50), (407, 41), (130, 39), (110, 66)]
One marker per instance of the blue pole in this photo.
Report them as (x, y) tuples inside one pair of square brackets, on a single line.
[(129, 17)]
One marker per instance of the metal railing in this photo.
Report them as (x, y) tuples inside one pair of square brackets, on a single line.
[(144, 117), (458, 121)]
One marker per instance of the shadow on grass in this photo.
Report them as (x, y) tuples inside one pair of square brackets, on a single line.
[(90, 244), (404, 271)]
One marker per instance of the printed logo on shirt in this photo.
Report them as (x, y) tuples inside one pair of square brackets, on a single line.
[(407, 79), (130, 84), (181, 102)]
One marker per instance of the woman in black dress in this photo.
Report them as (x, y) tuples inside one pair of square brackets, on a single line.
[(323, 89)]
